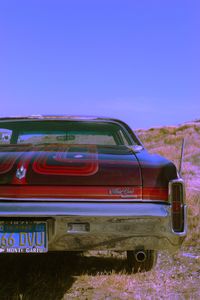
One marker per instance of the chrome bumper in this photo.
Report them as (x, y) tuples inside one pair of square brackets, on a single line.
[(78, 226)]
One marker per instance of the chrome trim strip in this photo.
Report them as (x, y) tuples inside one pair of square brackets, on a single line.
[(122, 199), (20, 209)]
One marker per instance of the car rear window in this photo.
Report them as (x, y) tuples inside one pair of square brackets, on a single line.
[(62, 132)]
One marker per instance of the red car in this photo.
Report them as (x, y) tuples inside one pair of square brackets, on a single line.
[(76, 184)]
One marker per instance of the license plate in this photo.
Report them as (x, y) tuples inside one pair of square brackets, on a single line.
[(23, 237)]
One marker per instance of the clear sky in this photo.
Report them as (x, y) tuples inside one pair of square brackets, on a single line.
[(135, 60)]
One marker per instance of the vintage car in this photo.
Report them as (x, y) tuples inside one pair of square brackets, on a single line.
[(86, 183)]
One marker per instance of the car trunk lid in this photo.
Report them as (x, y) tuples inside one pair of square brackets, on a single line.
[(63, 171)]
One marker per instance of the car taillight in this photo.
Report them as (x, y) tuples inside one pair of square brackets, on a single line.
[(177, 195)]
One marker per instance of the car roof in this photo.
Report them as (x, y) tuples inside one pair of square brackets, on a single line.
[(58, 117)]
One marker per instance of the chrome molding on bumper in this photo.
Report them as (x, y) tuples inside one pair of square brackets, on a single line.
[(82, 209)]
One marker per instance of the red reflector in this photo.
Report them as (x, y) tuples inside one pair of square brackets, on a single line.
[(177, 192), (176, 205)]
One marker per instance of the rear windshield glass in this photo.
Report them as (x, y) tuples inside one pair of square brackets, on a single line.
[(62, 132)]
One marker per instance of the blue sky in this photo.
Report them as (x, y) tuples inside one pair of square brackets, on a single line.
[(135, 60)]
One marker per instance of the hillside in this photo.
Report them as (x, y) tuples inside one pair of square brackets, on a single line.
[(167, 141)]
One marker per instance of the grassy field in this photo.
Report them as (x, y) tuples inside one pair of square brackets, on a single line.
[(103, 276)]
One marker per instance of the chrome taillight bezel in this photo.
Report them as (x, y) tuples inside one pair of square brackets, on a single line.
[(177, 206)]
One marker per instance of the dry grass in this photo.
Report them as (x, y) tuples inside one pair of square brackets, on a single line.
[(104, 276), (56, 277)]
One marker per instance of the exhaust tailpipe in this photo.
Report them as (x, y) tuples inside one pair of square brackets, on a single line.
[(140, 256)]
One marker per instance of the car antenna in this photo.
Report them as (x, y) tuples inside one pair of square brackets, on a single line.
[(182, 156)]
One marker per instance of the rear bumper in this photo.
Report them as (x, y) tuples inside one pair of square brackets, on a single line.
[(78, 226)]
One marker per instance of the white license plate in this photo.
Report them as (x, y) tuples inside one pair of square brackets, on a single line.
[(23, 237)]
